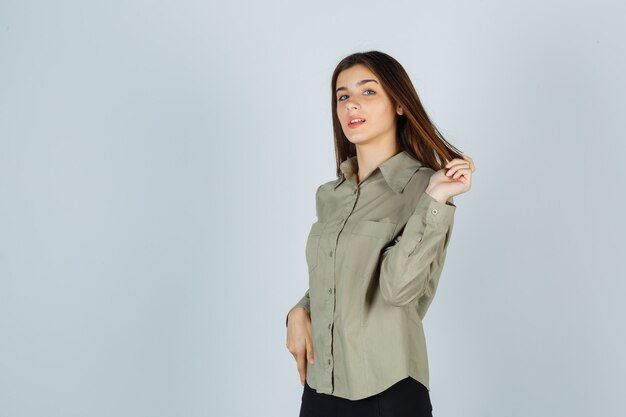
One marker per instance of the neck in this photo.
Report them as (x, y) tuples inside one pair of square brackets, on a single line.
[(370, 156)]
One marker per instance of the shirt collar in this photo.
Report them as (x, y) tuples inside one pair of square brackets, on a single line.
[(396, 170)]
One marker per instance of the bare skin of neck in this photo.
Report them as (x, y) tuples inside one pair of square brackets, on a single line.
[(361, 174)]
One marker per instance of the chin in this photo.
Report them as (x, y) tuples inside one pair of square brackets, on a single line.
[(359, 141)]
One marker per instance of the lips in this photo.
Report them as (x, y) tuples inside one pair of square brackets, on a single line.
[(357, 124)]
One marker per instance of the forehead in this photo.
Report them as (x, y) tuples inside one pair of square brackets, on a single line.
[(349, 77)]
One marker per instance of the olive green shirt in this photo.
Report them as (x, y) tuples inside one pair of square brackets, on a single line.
[(374, 256)]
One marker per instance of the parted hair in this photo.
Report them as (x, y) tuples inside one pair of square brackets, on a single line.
[(416, 133)]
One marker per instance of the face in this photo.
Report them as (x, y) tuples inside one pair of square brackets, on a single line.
[(360, 94)]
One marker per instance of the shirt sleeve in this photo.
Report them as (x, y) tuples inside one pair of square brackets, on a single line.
[(305, 302), (410, 268)]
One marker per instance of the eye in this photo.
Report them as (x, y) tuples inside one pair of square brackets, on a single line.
[(339, 99)]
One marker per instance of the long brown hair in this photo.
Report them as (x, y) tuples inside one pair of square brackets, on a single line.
[(415, 133)]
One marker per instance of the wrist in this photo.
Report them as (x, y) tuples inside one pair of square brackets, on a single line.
[(298, 311), (437, 196)]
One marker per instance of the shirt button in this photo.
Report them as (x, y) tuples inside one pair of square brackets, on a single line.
[(434, 211), (329, 361), (329, 325), (355, 190), (330, 253), (330, 291)]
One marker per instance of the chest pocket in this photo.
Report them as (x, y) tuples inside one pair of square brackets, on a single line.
[(312, 244), (367, 239), (373, 228)]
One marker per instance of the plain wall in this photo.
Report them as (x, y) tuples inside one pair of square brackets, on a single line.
[(158, 168)]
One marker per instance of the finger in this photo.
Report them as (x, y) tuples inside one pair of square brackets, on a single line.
[(301, 367), (471, 162), (461, 172), (465, 178), (456, 162), (451, 171), (309, 350)]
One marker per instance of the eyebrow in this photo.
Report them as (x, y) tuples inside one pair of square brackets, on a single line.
[(357, 84)]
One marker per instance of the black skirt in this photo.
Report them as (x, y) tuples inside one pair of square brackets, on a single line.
[(407, 397)]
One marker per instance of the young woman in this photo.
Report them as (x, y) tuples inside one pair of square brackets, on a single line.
[(376, 252)]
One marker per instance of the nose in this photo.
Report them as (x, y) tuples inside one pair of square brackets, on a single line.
[(351, 105)]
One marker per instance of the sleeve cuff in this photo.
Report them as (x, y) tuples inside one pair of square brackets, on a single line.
[(435, 212)]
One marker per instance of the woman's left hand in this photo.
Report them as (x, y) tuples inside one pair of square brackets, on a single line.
[(454, 179)]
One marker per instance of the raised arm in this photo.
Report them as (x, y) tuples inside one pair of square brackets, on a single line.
[(411, 267)]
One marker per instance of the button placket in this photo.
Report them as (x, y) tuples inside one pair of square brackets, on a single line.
[(351, 204)]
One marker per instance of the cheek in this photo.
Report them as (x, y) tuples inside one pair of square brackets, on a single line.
[(383, 115)]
